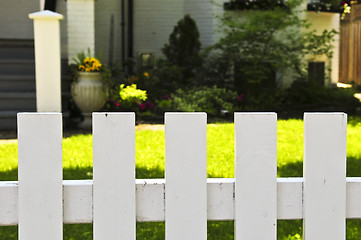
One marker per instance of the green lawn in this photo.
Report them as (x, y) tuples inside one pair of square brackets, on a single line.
[(77, 162)]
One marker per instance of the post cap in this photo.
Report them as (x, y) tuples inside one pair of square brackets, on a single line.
[(46, 14)]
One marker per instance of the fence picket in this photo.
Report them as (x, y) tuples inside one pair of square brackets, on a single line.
[(114, 176), (40, 191), (255, 176), (255, 198), (186, 176), (324, 176)]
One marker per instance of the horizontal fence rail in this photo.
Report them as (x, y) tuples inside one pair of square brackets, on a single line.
[(114, 200), (78, 200)]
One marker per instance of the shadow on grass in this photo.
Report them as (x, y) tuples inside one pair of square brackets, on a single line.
[(11, 175), (353, 168), (144, 173), (86, 173), (290, 170)]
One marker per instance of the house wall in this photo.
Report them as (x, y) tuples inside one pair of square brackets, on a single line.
[(61, 7), (202, 12), (320, 22), (104, 10), (14, 19), (152, 28), (80, 25), (154, 21)]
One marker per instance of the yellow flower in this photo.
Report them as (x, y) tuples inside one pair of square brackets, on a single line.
[(146, 74), (90, 64)]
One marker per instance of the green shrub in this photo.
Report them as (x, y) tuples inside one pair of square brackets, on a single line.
[(130, 94), (164, 79), (257, 44), (307, 95), (184, 47), (211, 100), (129, 98)]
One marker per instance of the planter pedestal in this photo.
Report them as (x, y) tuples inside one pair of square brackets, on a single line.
[(89, 95)]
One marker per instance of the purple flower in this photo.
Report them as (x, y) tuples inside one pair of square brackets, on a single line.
[(240, 97)]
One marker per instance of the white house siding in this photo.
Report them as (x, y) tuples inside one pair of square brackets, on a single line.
[(14, 19), (152, 28), (320, 22), (154, 21), (80, 24), (202, 12), (104, 9), (61, 7)]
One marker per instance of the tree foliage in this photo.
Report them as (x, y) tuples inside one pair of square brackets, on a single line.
[(259, 43), (184, 46)]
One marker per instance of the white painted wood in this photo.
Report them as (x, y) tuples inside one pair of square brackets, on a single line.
[(324, 176), (47, 60), (220, 200), (186, 176), (8, 203), (255, 176), (114, 176), (150, 200), (40, 176), (353, 198), (289, 198), (78, 201)]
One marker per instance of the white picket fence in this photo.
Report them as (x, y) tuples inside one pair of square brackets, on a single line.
[(40, 202)]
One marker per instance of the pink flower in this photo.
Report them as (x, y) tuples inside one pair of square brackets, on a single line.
[(240, 97), (151, 105), (142, 106)]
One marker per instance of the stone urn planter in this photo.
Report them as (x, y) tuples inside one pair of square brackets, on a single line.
[(89, 95)]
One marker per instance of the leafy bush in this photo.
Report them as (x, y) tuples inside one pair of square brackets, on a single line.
[(129, 99), (211, 100), (131, 94), (164, 79), (259, 43), (184, 47), (308, 95)]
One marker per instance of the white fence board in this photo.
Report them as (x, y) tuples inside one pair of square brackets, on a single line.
[(150, 200), (78, 201), (40, 191), (8, 203), (114, 176), (185, 199), (220, 192), (353, 197), (289, 198), (256, 176), (186, 176), (324, 176)]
